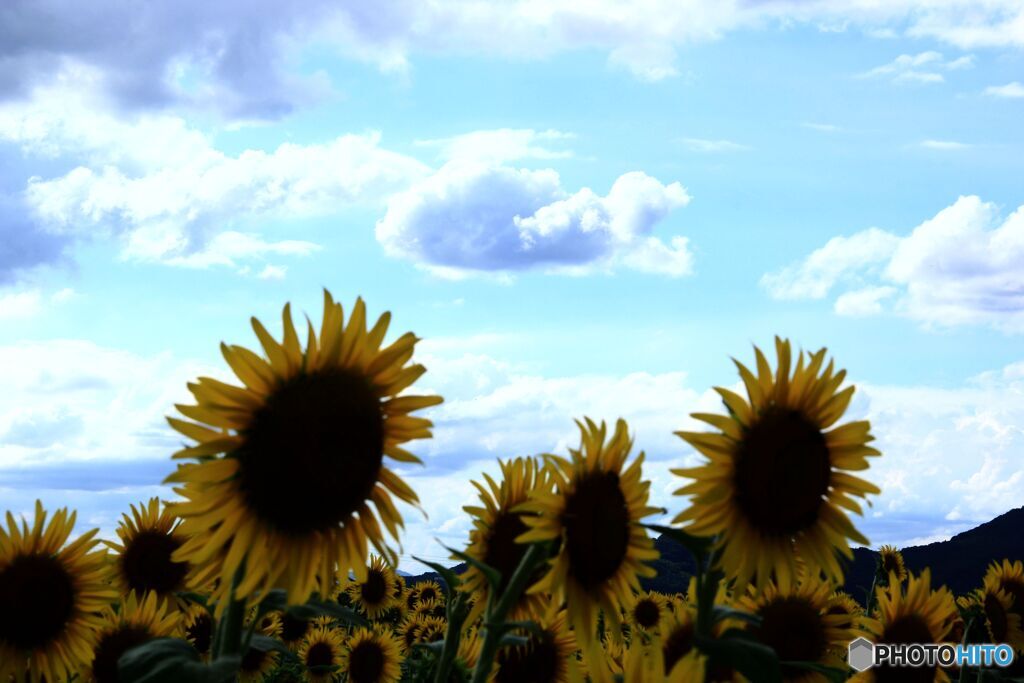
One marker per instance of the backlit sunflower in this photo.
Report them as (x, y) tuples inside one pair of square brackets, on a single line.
[(646, 610), (142, 560), (427, 590), (593, 514), (777, 481), (134, 622), (496, 525), (323, 647), (797, 624), (911, 613), (890, 561), (372, 657), (374, 594), (290, 462), (51, 593), (1009, 576), (545, 659), (1004, 625), (197, 626)]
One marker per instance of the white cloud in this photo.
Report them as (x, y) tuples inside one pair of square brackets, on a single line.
[(501, 145), (712, 146), (1014, 90), (960, 267), (863, 302), (271, 272), (651, 62), (945, 145), (19, 304), (230, 248), (924, 67), (477, 217), (822, 127)]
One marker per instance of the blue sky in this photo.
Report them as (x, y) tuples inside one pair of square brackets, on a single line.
[(579, 211)]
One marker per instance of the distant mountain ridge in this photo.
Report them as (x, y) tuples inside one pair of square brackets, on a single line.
[(958, 563)]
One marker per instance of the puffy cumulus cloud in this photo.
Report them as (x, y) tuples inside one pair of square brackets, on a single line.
[(1012, 90), (924, 67), (501, 145), (470, 216), (960, 267)]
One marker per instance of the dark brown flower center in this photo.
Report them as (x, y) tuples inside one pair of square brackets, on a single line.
[(292, 628), (782, 472), (678, 643), (503, 553), (200, 632), (374, 589), (647, 613), (427, 593), (110, 649), (320, 654), (997, 618), (596, 521), (366, 662), (253, 660), (905, 630), (37, 598), (793, 628), (398, 587), (538, 662), (313, 452), (147, 566)]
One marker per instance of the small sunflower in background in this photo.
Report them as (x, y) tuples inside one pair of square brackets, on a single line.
[(374, 594), (294, 629), (890, 561), (142, 560), (911, 613), (427, 590), (257, 665), (398, 588), (842, 604), (1009, 576), (322, 654), (777, 482), (134, 622), (290, 462), (431, 629), (408, 633), (270, 625), (496, 526), (372, 656), (544, 659), (409, 599), (646, 611), (431, 608), (797, 625), (1004, 625), (197, 626), (680, 659), (51, 595), (593, 515)]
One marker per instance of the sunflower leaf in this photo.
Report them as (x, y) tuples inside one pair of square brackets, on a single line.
[(830, 672), (699, 546), (720, 613), (266, 644), (512, 640), (447, 574), (170, 660), (738, 650), (316, 608), (492, 575)]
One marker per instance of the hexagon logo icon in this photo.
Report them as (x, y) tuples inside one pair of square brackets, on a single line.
[(861, 654)]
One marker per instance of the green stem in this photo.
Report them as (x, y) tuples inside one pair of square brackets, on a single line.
[(456, 617), (708, 579), (495, 622), (229, 632)]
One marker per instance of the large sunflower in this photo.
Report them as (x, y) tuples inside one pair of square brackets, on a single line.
[(1009, 576), (374, 594), (777, 481), (593, 514), (142, 562), (136, 620), (372, 657), (911, 613), (299, 456), (496, 525), (323, 647), (50, 597)]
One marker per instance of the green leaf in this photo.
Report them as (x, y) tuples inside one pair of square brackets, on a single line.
[(699, 546), (267, 644), (447, 574), (721, 613), (316, 607), (738, 650), (512, 640), (169, 660), (830, 672), (492, 575)]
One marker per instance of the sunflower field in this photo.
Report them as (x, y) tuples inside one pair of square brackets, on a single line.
[(276, 561)]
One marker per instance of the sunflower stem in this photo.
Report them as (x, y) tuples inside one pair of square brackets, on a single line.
[(229, 632), (494, 626), (457, 613)]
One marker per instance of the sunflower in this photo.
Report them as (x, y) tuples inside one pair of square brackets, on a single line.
[(51, 593), (1004, 625), (646, 610), (496, 525), (594, 515), (842, 604), (323, 647), (431, 629), (374, 594), (290, 461), (431, 608), (890, 561), (544, 659), (198, 629), (408, 633), (680, 659), (911, 613), (1009, 576), (142, 560), (134, 622), (777, 479), (294, 629), (409, 599), (427, 590), (372, 657), (270, 624), (797, 624), (257, 665), (398, 588)]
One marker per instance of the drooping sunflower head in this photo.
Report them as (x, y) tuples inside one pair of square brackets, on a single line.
[(322, 654), (646, 610), (1009, 576), (1004, 624), (291, 461), (427, 590), (372, 656), (51, 592), (797, 625), (197, 626), (134, 622), (496, 526), (374, 594), (544, 659), (593, 516), (912, 613), (777, 481), (890, 562)]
